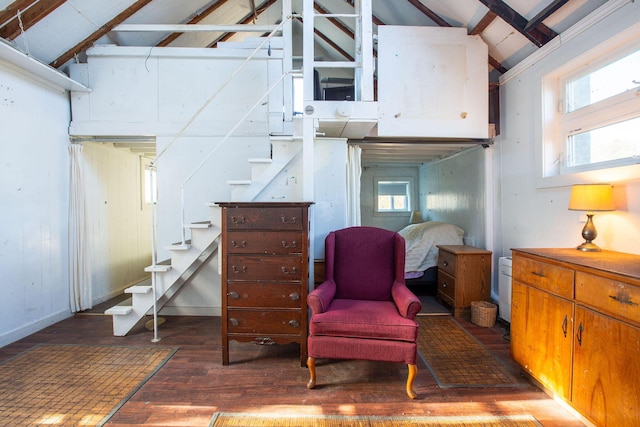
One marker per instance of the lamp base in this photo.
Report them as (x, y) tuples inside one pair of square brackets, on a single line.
[(589, 247)]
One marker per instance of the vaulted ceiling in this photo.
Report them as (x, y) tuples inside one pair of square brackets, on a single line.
[(57, 32)]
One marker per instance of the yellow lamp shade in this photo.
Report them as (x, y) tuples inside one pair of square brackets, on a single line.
[(591, 197)]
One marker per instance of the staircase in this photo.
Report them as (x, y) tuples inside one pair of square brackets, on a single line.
[(186, 259), (170, 275)]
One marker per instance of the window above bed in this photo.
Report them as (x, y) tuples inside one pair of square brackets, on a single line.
[(393, 195)]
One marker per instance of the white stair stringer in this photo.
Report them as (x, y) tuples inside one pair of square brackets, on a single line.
[(264, 171), (171, 275)]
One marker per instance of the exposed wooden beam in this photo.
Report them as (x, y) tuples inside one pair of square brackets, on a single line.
[(30, 11), (544, 14), (86, 43), (484, 23), (429, 13), (334, 21), (247, 19), (539, 36), (199, 16), (497, 65)]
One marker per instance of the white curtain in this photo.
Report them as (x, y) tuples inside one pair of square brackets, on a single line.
[(79, 272), (354, 170)]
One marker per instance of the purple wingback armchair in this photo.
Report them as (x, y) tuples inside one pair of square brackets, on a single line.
[(363, 309)]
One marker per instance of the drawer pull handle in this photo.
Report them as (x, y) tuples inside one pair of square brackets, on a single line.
[(285, 270), (565, 324), (535, 273), (294, 296), (579, 334), (294, 323), (240, 220), (289, 245), (235, 269), (623, 300), (445, 284), (234, 321), (234, 295), (445, 263), (292, 221), (263, 341), (235, 244)]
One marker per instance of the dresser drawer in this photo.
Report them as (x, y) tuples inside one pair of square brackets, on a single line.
[(263, 295), (263, 242), (616, 298), (551, 278), (264, 322), (280, 218), (447, 285), (447, 262), (274, 268)]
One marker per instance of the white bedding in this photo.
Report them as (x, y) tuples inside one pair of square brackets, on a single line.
[(421, 240)]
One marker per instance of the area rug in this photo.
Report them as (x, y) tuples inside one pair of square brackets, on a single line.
[(457, 359), (73, 384), (283, 420)]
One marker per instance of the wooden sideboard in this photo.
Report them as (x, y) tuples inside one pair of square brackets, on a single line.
[(464, 276), (265, 270), (575, 328)]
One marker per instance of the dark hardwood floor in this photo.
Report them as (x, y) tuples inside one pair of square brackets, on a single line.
[(193, 384)]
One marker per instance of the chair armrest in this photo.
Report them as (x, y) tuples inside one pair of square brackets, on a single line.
[(320, 298), (408, 304)]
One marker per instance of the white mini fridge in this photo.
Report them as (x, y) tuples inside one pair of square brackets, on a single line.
[(504, 288)]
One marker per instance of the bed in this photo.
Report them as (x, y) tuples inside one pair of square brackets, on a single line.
[(421, 252)]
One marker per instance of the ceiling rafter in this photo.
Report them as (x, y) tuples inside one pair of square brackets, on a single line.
[(540, 35), (331, 43), (247, 19), (544, 14), (487, 19), (429, 13), (86, 43), (30, 12), (196, 18)]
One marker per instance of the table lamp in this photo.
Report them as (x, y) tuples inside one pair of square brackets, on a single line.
[(590, 198)]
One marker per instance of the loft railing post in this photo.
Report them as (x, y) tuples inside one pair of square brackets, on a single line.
[(152, 199)]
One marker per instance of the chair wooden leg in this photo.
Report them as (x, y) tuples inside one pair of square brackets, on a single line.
[(413, 371), (311, 364)]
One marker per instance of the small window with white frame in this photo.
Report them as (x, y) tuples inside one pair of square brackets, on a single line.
[(393, 196), (592, 113)]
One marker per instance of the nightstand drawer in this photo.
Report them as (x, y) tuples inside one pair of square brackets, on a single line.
[(447, 262), (263, 242), (263, 295), (280, 218), (274, 268), (264, 322), (551, 278), (446, 284), (610, 296)]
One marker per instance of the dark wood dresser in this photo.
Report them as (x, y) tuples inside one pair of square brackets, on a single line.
[(265, 270)]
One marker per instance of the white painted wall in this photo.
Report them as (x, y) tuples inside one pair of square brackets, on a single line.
[(118, 220), (538, 217), (34, 201), (453, 191)]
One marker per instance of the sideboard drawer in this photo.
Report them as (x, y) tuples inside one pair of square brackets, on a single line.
[(548, 277), (264, 322), (263, 242), (263, 295), (610, 296), (280, 218), (274, 268)]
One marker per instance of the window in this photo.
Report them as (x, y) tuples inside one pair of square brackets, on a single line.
[(592, 112), (393, 196), (149, 183)]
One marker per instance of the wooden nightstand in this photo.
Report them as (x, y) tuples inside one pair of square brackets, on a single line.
[(464, 275)]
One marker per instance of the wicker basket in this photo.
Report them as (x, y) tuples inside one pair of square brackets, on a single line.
[(483, 313)]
